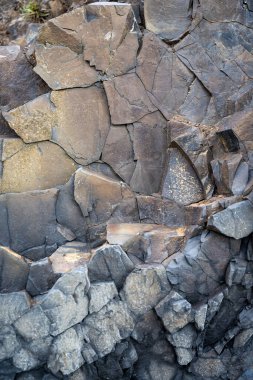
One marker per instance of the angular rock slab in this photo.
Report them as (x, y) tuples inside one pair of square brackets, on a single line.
[(236, 221), (60, 68), (127, 98), (96, 35), (13, 271), (18, 83), (102, 199), (37, 166), (148, 242), (166, 79), (13, 306), (145, 287), (181, 183), (170, 20), (76, 119)]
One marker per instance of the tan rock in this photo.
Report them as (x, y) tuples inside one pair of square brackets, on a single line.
[(76, 119), (36, 167)]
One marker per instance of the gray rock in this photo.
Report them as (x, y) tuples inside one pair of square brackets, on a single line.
[(100, 293), (145, 287), (65, 356), (108, 263), (13, 306), (174, 311), (184, 342), (170, 20), (33, 325), (13, 271), (41, 277), (24, 360), (109, 326), (66, 304), (236, 221), (9, 342)]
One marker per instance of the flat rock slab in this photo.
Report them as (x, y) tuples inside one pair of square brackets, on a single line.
[(36, 166), (76, 119), (236, 221), (85, 40)]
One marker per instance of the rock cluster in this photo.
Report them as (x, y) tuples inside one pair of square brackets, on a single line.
[(126, 195)]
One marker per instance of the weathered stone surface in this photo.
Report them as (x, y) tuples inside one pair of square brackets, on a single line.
[(103, 199), (66, 117), (13, 306), (181, 183), (170, 20), (184, 342), (150, 243), (33, 325), (100, 293), (66, 354), (13, 271), (69, 256), (66, 304), (112, 24), (118, 152), (127, 98), (41, 277), (110, 263), (62, 68), (236, 221), (145, 287), (160, 211), (18, 83), (162, 75), (108, 327), (24, 360), (200, 269), (175, 312), (36, 167), (38, 210)]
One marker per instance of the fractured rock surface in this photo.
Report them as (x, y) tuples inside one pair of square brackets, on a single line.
[(126, 194)]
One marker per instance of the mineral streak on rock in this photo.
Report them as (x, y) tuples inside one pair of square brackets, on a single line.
[(126, 194)]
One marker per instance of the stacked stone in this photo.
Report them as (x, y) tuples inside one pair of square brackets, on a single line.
[(126, 205)]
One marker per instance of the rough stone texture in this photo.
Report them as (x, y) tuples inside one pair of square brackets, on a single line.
[(170, 20), (13, 271), (18, 84), (236, 221), (112, 185), (110, 263)]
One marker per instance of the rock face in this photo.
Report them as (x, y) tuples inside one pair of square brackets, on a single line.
[(126, 194)]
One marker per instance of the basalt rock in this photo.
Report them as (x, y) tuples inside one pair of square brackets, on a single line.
[(126, 194)]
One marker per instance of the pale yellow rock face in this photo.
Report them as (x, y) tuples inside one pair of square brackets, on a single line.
[(36, 167), (34, 120)]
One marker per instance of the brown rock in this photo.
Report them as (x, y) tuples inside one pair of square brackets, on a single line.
[(62, 68), (127, 98)]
